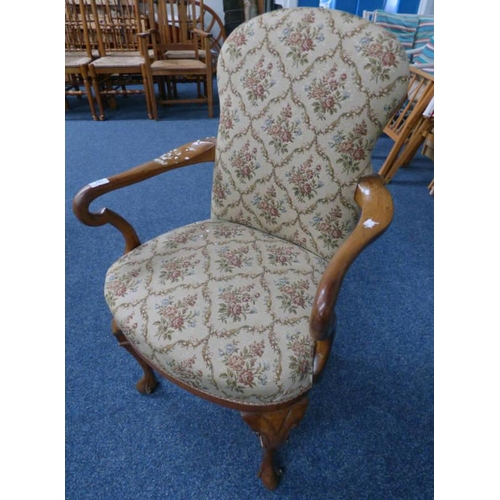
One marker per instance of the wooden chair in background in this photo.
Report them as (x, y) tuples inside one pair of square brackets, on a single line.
[(78, 54), (206, 20), (408, 119), (120, 69), (182, 52)]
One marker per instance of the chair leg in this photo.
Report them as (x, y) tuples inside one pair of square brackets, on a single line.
[(414, 142), (210, 96), (97, 93), (88, 90), (148, 383), (147, 91), (273, 428)]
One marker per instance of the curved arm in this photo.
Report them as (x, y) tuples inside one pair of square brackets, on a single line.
[(376, 215), (189, 154)]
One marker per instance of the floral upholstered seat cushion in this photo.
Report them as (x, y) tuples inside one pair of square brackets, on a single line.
[(222, 308)]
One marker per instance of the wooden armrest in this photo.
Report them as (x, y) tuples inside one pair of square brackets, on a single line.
[(189, 154), (376, 215), (202, 33), (146, 33)]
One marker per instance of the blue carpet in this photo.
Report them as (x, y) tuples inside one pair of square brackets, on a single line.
[(368, 431)]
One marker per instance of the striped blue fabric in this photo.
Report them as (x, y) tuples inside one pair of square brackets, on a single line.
[(425, 30), (426, 56), (404, 26)]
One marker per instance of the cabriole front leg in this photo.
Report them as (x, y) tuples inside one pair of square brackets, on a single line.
[(147, 384), (273, 428)]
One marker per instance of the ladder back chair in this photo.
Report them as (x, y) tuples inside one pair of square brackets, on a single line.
[(120, 69), (182, 52), (78, 54), (239, 309), (208, 21)]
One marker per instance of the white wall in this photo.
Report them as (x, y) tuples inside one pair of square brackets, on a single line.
[(218, 6), (426, 7)]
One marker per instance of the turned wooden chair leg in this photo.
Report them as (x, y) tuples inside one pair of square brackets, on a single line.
[(273, 428), (147, 384)]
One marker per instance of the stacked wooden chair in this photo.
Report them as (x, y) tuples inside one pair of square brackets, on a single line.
[(127, 47), (120, 68), (78, 54), (182, 53)]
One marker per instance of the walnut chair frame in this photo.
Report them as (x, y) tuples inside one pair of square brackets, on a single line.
[(335, 40)]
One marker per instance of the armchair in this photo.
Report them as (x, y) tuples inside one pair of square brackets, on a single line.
[(239, 309)]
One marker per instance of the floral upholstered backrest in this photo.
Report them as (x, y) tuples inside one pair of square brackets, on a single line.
[(304, 95)]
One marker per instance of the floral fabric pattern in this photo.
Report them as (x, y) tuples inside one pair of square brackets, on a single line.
[(327, 93), (381, 56), (313, 89), (223, 328), (223, 306), (301, 38)]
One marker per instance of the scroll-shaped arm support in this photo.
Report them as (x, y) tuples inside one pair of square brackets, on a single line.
[(376, 206), (191, 153)]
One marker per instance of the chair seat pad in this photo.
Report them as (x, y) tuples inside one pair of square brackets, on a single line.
[(75, 60), (183, 54), (178, 64), (222, 308), (118, 61)]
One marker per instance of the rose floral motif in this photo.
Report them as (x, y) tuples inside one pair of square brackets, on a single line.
[(220, 189), (238, 40), (177, 269), (380, 53), (302, 39), (229, 117), (119, 286), (327, 92), (282, 129), (331, 227), (227, 232), (233, 258), (270, 207), (175, 316), (293, 295), (304, 180), (282, 256), (179, 238), (185, 370), (258, 81), (244, 163), (300, 360), (353, 147), (237, 302), (243, 366)]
